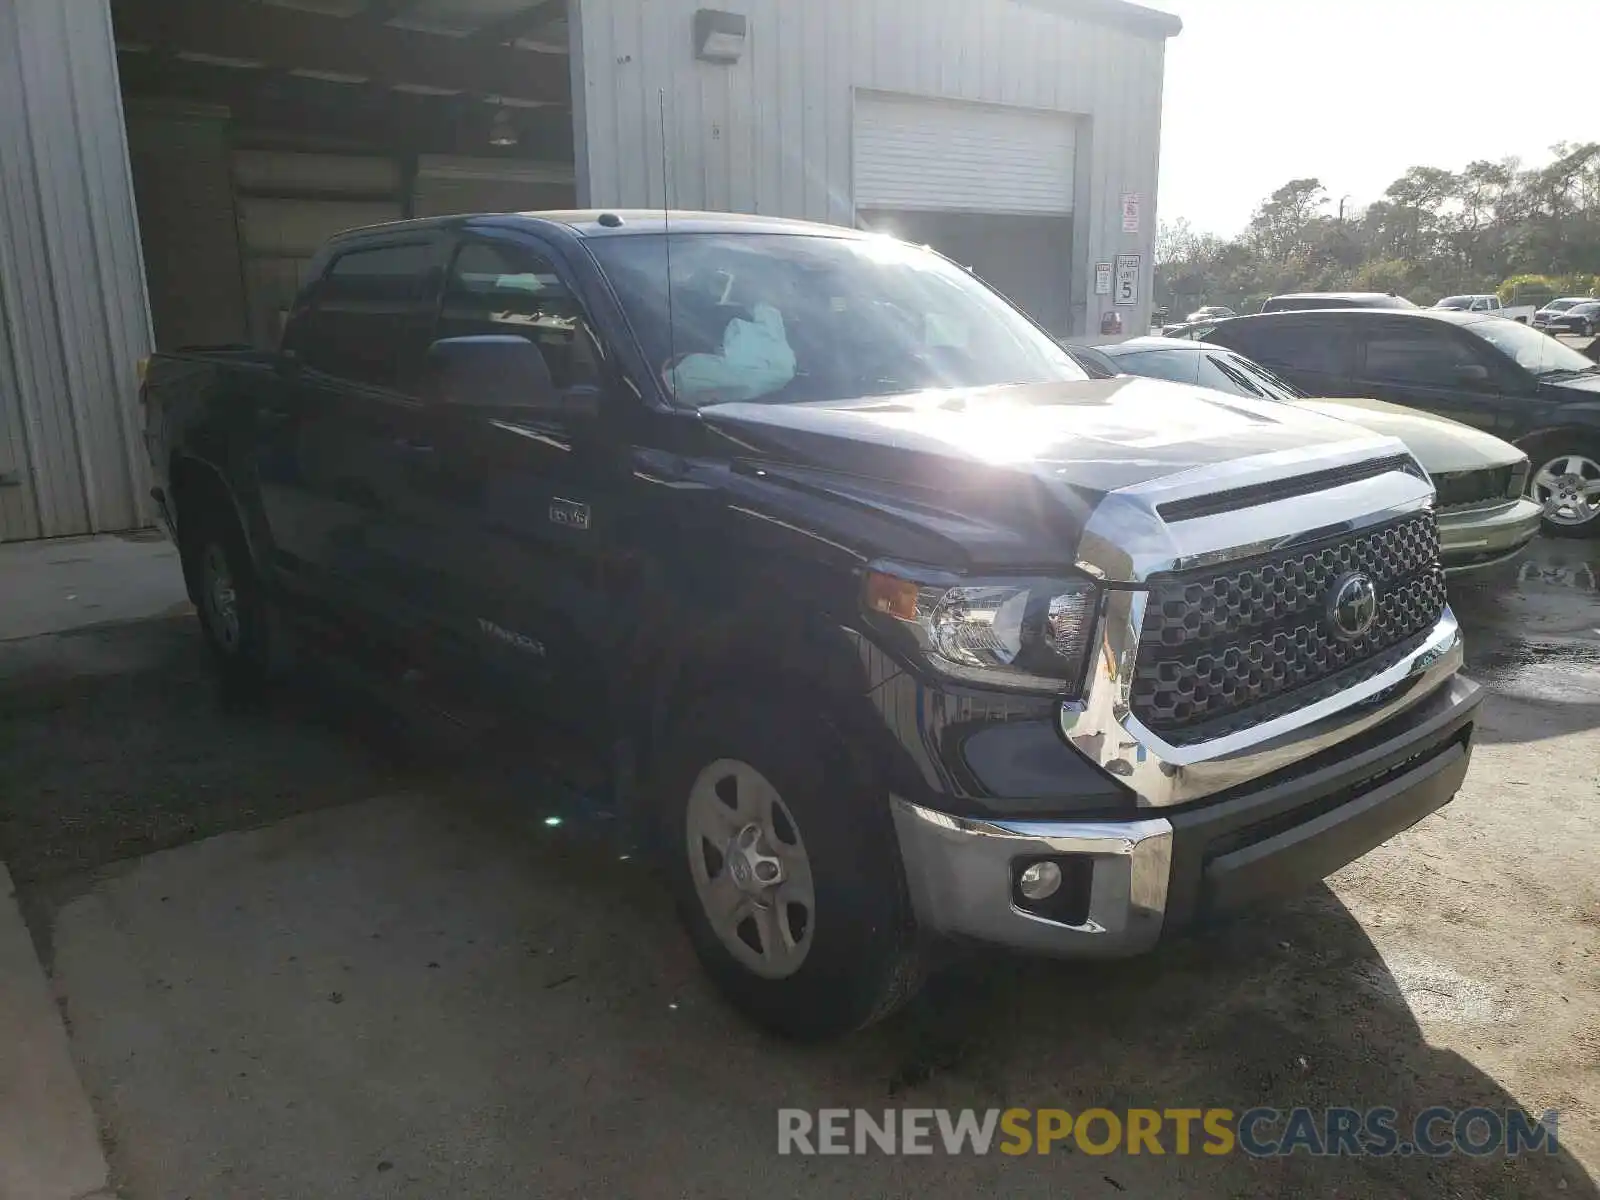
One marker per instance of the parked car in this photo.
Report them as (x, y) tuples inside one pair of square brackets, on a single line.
[(1304, 301), (1507, 379), (1093, 361), (1556, 307), (1210, 312), (1484, 517), (1490, 306), (1581, 319), (905, 628)]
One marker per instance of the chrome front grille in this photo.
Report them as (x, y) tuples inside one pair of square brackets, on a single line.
[(1224, 650), (1460, 489)]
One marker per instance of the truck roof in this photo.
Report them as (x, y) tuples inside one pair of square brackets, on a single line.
[(617, 222)]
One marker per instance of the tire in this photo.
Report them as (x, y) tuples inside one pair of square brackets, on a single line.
[(235, 616), (742, 784), (1565, 478)]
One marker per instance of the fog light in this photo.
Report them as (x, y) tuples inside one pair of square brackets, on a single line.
[(1039, 881)]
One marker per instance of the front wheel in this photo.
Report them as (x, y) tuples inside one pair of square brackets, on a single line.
[(1568, 485), (785, 870)]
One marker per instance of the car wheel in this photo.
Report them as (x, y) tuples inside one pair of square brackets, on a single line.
[(785, 870), (234, 614), (1568, 485)]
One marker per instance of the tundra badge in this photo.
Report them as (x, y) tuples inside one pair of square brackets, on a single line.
[(520, 641), (571, 513)]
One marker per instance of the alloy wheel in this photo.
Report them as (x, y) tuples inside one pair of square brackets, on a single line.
[(1569, 488)]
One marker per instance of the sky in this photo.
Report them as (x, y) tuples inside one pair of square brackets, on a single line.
[(1353, 92)]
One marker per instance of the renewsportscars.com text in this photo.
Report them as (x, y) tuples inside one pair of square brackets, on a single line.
[(1259, 1132)]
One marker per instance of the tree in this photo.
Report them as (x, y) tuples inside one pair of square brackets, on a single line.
[(1434, 232), (1279, 228)]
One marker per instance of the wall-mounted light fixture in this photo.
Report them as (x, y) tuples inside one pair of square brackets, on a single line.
[(719, 37)]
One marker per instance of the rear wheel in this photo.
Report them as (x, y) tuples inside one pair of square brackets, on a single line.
[(785, 869), (234, 613), (1567, 483)]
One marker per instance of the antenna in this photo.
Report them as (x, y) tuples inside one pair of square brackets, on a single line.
[(666, 237)]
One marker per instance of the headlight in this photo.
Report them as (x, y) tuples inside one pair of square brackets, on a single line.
[(1031, 634)]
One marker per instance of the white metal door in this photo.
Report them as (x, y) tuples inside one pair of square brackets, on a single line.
[(914, 154)]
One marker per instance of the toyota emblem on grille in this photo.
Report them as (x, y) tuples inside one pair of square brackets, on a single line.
[(1352, 605)]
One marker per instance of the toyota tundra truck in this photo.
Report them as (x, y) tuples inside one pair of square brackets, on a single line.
[(889, 627)]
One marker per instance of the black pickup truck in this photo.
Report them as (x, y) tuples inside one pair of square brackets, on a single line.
[(889, 625)]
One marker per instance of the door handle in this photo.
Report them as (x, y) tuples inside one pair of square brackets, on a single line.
[(412, 446)]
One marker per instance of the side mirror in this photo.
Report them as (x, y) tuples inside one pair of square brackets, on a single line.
[(1473, 375), (494, 371)]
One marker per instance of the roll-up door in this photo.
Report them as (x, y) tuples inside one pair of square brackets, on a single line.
[(913, 154), (289, 203), (179, 161)]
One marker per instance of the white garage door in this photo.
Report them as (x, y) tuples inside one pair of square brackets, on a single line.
[(933, 155)]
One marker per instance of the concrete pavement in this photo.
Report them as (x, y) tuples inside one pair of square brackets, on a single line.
[(49, 1140), (277, 985), (68, 583)]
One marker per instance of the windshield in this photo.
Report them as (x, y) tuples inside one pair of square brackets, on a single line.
[(1559, 305), (792, 318), (1275, 388), (1460, 303), (1534, 351)]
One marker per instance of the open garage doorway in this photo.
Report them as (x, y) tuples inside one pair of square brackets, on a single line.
[(259, 128), (988, 185), (1027, 257)]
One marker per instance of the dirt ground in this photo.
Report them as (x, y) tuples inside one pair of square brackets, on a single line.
[(389, 977)]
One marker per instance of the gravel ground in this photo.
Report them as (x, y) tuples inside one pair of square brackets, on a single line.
[(556, 1024)]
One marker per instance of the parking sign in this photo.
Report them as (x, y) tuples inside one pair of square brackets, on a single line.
[(1127, 285), (1130, 212)]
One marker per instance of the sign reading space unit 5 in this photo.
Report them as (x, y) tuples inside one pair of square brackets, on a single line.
[(1127, 286)]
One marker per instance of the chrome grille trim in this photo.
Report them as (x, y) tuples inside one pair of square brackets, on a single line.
[(1220, 651), (1128, 545)]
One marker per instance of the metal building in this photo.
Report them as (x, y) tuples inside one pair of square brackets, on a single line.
[(168, 166)]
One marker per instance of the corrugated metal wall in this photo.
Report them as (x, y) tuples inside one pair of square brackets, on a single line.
[(73, 317), (772, 133)]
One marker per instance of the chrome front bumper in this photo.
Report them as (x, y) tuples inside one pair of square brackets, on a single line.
[(959, 873), (1482, 535), (1157, 875)]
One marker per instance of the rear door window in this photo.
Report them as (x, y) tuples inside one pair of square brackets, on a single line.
[(368, 320), (1420, 354), (1316, 346)]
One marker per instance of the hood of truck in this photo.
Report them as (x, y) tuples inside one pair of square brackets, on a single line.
[(1012, 475), (1094, 436), (1441, 445)]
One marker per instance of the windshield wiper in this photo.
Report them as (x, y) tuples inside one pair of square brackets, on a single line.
[(1569, 372)]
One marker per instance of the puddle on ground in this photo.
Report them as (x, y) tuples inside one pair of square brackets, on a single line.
[(1561, 673)]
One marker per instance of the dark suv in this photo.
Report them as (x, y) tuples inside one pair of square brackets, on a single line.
[(1506, 378)]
